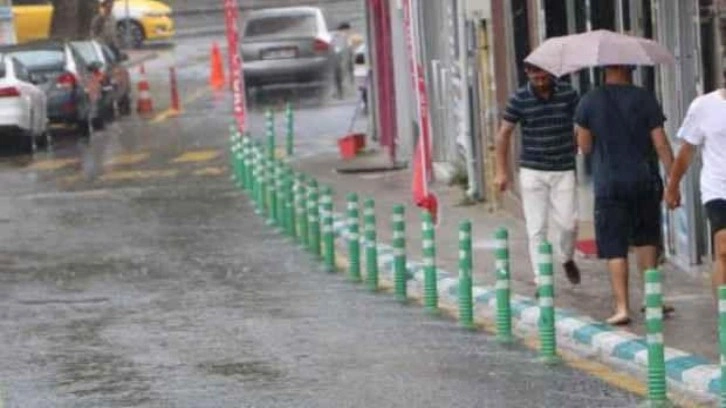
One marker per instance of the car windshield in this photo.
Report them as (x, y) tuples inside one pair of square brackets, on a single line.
[(87, 51), (40, 59), (282, 26), (2, 66)]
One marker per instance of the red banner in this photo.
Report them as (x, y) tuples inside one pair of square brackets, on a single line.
[(422, 160), (235, 63)]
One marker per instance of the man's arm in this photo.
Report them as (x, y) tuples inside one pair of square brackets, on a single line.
[(584, 139), (503, 141), (662, 147), (680, 166)]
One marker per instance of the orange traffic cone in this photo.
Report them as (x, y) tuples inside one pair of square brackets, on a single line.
[(216, 77), (144, 105)]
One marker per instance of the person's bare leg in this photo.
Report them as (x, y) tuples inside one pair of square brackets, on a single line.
[(648, 259), (619, 277), (719, 271)]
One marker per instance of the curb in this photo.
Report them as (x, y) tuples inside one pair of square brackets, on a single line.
[(689, 374)]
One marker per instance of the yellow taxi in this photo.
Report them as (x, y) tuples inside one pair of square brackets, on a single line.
[(144, 20)]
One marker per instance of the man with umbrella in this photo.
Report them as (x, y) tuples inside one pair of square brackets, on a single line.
[(621, 125), (544, 109)]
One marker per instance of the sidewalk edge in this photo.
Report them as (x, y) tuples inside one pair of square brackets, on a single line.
[(688, 374)]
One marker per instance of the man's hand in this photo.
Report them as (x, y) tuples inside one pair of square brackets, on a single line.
[(672, 197), (501, 181)]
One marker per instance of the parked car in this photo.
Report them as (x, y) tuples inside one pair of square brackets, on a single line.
[(72, 88), (115, 77), (147, 20), (291, 45), (23, 111)]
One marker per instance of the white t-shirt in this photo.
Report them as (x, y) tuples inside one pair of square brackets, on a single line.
[(705, 125)]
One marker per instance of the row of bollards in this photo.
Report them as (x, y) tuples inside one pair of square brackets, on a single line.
[(302, 209)]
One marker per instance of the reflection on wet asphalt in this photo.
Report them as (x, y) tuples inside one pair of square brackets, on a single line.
[(132, 278), (178, 296)]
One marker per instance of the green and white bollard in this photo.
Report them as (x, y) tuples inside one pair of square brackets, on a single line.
[(431, 295), (466, 302), (271, 192), (289, 140), (314, 219), (240, 159), (722, 341), (657, 396), (504, 305), (400, 275), (281, 197), (247, 151), (353, 238), (546, 288), (270, 133), (301, 214), (326, 205), (262, 176), (289, 203), (232, 143), (371, 244)]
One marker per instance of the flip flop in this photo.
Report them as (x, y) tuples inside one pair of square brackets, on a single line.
[(667, 309), (623, 321)]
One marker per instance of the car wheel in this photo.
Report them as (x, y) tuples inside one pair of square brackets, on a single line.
[(136, 36), (27, 142), (124, 105)]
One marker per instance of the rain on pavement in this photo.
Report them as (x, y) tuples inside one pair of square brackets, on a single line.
[(134, 274)]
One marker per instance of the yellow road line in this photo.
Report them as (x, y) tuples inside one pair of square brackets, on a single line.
[(209, 171), (128, 159), (623, 381), (53, 164), (170, 113), (137, 175), (197, 156)]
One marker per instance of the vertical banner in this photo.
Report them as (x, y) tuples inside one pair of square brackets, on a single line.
[(422, 160), (231, 12)]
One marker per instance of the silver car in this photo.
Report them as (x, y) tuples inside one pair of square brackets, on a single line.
[(283, 46)]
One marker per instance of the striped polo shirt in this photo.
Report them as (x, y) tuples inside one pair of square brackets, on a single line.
[(548, 140)]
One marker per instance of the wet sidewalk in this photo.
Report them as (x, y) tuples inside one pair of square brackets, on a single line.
[(691, 329)]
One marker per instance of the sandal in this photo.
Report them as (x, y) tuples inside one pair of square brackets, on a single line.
[(618, 320), (667, 310)]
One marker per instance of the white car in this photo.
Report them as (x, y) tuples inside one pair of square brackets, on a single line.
[(23, 106)]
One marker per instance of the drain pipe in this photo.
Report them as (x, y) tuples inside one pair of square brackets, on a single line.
[(464, 124)]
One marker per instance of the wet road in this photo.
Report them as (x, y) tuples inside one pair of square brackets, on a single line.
[(133, 274)]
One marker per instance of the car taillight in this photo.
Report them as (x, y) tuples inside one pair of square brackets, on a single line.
[(321, 45), (66, 80), (11, 92)]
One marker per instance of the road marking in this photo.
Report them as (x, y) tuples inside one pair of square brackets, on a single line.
[(128, 159), (53, 164), (170, 113), (624, 381), (138, 175), (197, 156), (209, 171)]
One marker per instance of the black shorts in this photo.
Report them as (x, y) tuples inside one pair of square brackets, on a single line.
[(716, 213), (624, 221)]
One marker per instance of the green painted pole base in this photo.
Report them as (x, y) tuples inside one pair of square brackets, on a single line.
[(549, 360)]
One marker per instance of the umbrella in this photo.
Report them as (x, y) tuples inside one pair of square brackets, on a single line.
[(570, 53)]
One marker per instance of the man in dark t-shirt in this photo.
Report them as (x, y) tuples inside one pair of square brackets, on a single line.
[(622, 126)]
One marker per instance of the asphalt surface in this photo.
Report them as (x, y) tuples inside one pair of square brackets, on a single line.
[(134, 275)]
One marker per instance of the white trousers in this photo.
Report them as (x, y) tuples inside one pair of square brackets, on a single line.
[(550, 195)]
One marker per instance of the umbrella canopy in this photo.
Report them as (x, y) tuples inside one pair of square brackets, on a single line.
[(570, 53)]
